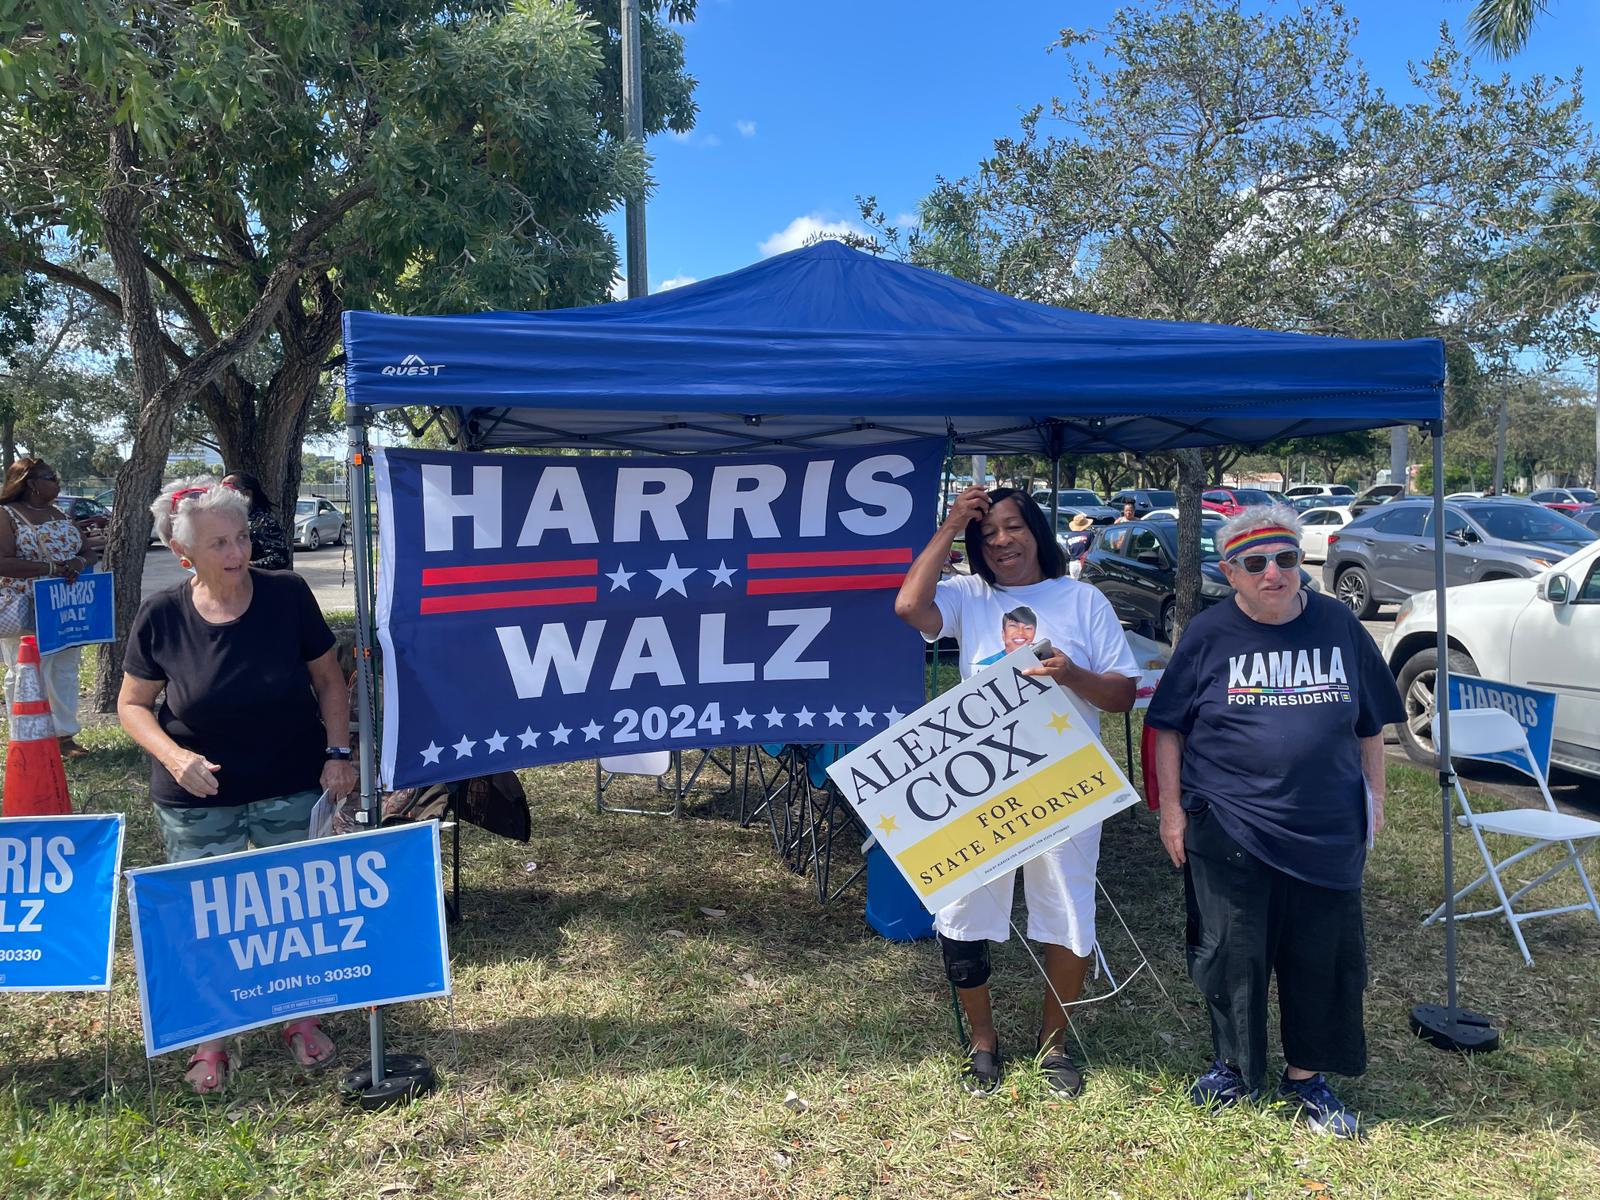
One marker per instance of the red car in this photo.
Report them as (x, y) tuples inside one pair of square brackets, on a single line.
[(1564, 500), (1228, 501)]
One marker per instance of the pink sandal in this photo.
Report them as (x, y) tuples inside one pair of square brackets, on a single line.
[(217, 1060), (304, 1029)]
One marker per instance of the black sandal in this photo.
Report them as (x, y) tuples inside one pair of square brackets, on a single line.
[(980, 1071), (1059, 1071)]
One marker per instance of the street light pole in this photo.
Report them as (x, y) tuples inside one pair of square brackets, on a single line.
[(633, 128)]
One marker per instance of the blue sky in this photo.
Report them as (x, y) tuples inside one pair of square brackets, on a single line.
[(803, 106)]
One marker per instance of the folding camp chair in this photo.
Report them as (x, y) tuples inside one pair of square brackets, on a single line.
[(1479, 733)]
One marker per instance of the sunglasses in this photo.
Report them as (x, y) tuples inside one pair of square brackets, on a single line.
[(46, 477), (182, 494), (1255, 564)]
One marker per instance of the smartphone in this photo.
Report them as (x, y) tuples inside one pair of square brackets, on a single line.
[(1043, 650)]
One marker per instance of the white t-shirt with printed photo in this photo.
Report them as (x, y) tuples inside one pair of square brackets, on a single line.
[(1076, 618)]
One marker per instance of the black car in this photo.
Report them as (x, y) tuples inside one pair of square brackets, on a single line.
[(1588, 515), (1144, 499), (1135, 566)]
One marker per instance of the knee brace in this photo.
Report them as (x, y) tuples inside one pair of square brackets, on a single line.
[(966, 963)]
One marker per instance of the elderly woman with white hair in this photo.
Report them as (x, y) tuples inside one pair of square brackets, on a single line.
[(1269, 757), (254, 723)]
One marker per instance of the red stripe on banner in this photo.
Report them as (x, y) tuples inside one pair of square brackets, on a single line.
[(498, 572), (822, 583), (30, 708), (483, 600), (829, 558)]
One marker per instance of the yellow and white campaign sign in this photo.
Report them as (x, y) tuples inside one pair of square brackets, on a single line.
[(977, 782)]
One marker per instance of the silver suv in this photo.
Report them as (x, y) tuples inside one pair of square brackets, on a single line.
[(1386, 554)]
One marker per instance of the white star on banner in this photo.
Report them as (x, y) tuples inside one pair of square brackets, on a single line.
[(804, 716), (463, 748), (744, 716), (591, 731), (528, 737), (560, 734), (497, 743), (864, 716), (774, 718), (722, 573), (672, 577), (835, 717), (893, 715), (431, 754), (619, 578)]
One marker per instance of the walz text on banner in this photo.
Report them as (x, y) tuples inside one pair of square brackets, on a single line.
[(58, 902), (80, 613), (994, 772), (229, 943), (537, 610)]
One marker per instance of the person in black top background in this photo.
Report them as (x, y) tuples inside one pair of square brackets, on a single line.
[(269, 545), (1269, 756), (253, 723)]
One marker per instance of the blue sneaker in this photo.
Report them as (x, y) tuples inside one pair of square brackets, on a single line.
[(1219, 1087), (1324, 1111)]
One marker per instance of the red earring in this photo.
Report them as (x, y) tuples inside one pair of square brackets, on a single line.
[(185, 563)]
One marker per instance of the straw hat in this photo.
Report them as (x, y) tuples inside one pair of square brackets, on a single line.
[(1080, 522)]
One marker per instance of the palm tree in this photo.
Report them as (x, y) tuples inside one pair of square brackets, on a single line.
[(1502, 26)]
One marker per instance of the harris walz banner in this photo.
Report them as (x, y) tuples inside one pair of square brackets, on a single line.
[(542, 609)]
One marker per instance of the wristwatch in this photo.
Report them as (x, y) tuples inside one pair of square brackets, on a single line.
[(338, 752)]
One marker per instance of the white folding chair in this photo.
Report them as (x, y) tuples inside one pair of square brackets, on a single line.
[(1477, 733), (653, 764)]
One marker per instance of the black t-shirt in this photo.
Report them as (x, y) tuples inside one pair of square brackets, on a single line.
[(238, 693), (1271, 715)]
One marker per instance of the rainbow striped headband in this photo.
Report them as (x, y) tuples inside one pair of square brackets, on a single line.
[(1254, 539)]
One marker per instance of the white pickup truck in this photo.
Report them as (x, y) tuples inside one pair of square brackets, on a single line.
[(1542, 632)]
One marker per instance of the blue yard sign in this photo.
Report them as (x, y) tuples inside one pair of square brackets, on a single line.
[(608, 606), (242, 940), (1534, 710), (79, 613), (58, 902)]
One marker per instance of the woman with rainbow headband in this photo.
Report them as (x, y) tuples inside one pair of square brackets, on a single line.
[(1269, 756)]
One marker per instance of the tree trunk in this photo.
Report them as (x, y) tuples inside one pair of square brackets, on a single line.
[(1191, 481), (8, 440)]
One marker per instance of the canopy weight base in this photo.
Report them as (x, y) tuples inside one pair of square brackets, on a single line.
[(406, 1077), (1457, 1029)]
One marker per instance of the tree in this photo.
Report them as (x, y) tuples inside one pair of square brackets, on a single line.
[(1504, 26), (1209, 164), (258, 168)]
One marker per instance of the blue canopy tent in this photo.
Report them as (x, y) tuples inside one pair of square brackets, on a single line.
[(831, 346)]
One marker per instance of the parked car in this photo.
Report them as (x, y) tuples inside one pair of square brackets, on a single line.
[(1144, 499), (88, 514), (1135, 566), (1466, 496), (1171, 514), (1588, 515), (1386, 555), (1317, 525), (1080, 500), (1541, 632), (318, 523), (1563, 500), (1303, 504), (1228, 501), (1382, 493), (1318, 489)]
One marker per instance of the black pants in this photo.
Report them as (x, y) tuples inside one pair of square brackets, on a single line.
[(1248, 920)]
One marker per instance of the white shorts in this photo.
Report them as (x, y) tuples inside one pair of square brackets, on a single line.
[(1058, 886)]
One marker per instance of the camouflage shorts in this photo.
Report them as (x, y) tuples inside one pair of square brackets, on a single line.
[(192, 833)]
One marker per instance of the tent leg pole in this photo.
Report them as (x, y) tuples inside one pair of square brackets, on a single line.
[(385, 1079), (1450, 1027)]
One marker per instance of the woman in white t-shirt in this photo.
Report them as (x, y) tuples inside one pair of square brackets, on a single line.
[(1018, 594)]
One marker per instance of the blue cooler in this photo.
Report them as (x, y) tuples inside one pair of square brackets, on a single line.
[(892, 907)]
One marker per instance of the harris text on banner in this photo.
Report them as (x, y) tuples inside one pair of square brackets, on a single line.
[(536, 610), (994, 772), (229, 943), (80, 613), (58, 902), (1535, 711)]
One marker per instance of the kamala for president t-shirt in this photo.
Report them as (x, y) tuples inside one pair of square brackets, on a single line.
[(1271, 716)]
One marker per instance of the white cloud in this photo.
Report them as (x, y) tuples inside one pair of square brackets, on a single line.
[(803, 229), (619, 287), (677, 281), (745, 128), (907, 220), (695, 137)]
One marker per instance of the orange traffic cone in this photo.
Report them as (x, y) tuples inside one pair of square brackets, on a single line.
[(36, 782)]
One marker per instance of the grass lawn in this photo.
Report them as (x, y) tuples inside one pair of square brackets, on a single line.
[(610, 1038)]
